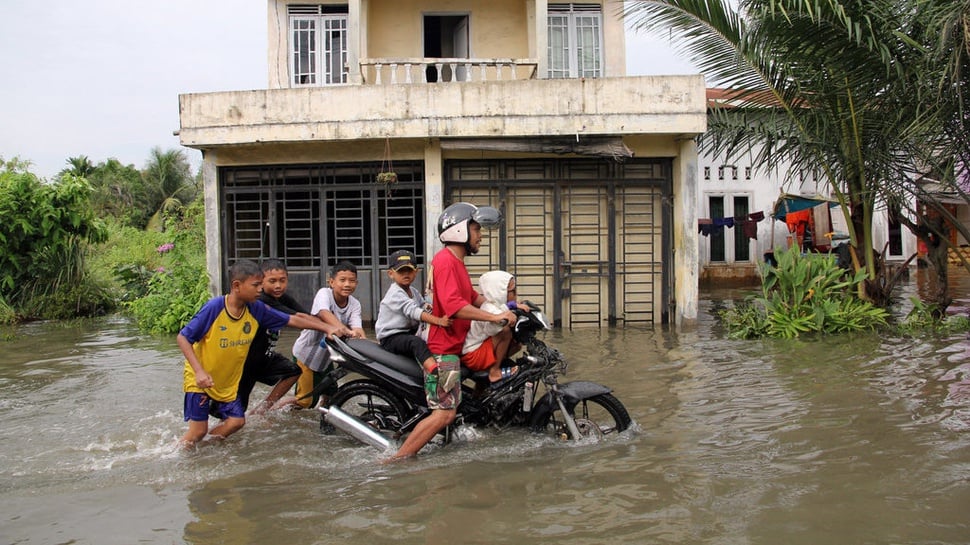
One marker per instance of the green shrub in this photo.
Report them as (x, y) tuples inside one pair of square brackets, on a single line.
[(924, 317), (128, 258), (803, 294), (7, 314), (44, 242), (178, 287)]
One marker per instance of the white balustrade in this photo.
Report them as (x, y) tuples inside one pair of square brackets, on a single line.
[(443, 70)]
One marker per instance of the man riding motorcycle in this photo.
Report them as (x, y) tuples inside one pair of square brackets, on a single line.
[(459, 229)]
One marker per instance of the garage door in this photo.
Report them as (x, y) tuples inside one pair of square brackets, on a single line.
[(586, 239)]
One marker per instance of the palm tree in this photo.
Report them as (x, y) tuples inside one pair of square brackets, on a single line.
[(826, 86), (79, 166), (168, 184), (116, 188)]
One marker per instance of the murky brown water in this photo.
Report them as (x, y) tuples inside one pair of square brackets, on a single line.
[(843, 440)]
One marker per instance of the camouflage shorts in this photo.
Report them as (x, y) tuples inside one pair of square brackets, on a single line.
[(447, 394)]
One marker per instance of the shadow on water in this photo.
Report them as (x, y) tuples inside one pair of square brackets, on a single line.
[(857, 439)]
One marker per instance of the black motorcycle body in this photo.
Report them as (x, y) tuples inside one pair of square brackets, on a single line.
[(386, 391)]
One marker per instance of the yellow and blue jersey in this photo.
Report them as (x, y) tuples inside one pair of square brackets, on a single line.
[(221, 343)]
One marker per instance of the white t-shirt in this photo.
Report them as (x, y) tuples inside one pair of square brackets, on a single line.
[(307, 347)]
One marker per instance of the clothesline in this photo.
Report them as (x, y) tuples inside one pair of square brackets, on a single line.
[(748, 224)]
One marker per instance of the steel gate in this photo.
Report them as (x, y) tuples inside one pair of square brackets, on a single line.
[(587, 239), (314, 216)]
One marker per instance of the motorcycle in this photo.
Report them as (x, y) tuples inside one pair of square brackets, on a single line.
[(386, 394)]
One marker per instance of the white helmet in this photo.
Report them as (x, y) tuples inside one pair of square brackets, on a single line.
[(453, 221)]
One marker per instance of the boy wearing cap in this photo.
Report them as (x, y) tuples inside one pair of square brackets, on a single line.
[(402, 310)]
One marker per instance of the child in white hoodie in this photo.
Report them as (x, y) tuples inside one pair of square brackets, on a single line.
[(488, 344)]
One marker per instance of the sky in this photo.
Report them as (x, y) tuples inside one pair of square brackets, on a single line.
[(101, 78)]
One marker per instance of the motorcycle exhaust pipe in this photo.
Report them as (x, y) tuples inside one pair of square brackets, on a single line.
[(354, 427)]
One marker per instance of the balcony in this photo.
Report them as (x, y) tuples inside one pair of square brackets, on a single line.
[(386, 71), (508, 109)]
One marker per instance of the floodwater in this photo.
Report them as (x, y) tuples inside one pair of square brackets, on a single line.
[(860, 439)]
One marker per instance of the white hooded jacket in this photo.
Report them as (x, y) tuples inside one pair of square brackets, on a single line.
[(494, 285)]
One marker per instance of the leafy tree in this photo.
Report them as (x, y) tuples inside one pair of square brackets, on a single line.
[(168, 185), (117, 190), (828, 86), (15, 165), (79, 166), (44, 232)]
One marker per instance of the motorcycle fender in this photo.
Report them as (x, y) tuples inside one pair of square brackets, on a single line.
[(572, 393)]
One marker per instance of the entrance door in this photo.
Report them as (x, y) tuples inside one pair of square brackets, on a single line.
[(446, 36)]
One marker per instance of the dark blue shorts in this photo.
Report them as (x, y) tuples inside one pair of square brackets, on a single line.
[(198, 407)]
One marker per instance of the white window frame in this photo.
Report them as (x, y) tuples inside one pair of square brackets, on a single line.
[(581, 28), (729, 234), (322, 31)]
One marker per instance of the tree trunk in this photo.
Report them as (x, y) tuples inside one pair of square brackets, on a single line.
[(936, 255)]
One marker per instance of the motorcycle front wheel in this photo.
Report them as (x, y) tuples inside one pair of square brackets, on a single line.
[(373, 405), (596, 416)]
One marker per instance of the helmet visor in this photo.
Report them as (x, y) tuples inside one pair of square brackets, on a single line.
[(487, 217)]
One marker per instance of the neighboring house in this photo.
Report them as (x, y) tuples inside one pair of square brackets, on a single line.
[(736, 190), (518, 104)]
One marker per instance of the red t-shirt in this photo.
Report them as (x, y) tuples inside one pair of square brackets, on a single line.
[(452, 291)]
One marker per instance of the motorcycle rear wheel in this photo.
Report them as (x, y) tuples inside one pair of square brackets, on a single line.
[(373, 405), (596, 416)]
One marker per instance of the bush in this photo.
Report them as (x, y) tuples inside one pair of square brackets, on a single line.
[(128, 259), (46, 232), (179, 286), (804, 294), (925, 317)]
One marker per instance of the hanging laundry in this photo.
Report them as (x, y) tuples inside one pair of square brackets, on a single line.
[(750, 229), (724, 222), (705, 226)]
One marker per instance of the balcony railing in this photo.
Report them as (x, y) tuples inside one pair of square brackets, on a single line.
[(444, 70)]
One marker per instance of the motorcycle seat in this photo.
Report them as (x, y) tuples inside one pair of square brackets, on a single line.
[(374, 351)]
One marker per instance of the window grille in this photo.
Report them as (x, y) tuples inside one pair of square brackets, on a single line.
[(318, 44), (575, 41)]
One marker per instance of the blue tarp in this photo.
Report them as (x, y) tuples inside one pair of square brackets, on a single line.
[(796, 203)]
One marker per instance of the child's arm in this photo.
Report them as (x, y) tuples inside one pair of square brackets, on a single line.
[(354, 319), (304, 321), (202, 378), (331, 319), (472, 312), (440, 321)]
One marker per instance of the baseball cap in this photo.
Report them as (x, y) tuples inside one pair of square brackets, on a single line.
[(401, 259)]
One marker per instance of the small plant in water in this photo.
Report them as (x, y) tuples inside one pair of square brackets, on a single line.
[(925, 317), (803, 294)]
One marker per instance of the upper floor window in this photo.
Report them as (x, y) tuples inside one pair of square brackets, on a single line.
[(318, 44), (575, 41)]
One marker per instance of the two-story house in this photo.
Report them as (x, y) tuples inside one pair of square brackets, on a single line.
[(519, 104)]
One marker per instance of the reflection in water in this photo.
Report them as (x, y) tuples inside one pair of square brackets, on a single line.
[(844, 439)]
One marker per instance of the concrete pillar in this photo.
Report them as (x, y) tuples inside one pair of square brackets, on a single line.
[(685, 234), (213, 242), (434, 185)]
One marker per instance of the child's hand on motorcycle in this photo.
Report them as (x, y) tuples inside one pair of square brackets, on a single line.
[(342, 331)]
